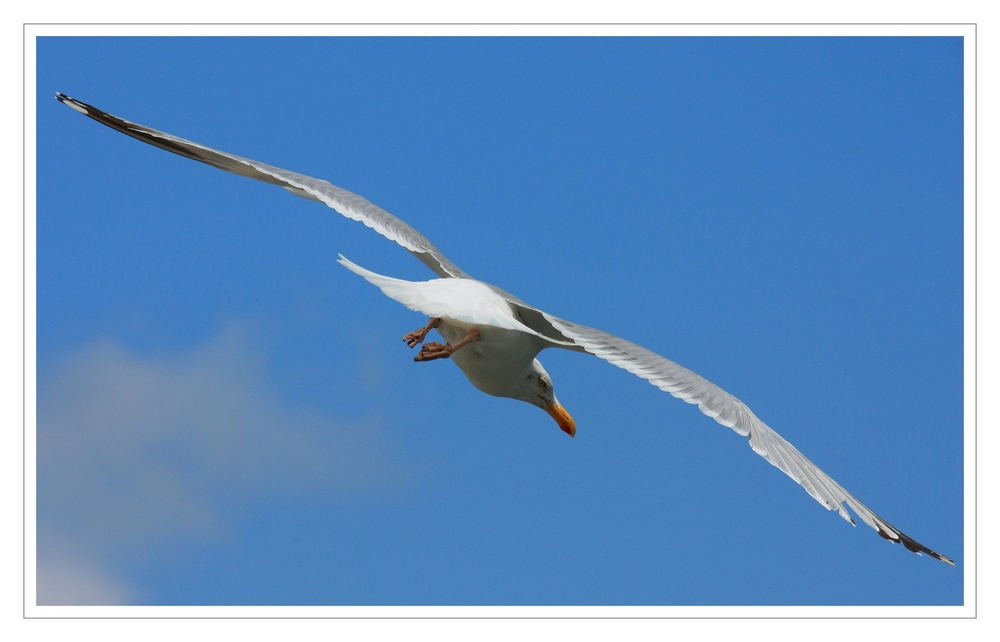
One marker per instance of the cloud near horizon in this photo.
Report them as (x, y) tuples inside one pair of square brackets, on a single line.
[(133, 451)]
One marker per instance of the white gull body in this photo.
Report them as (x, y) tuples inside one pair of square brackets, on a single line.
[(512, 333), (504, 353)]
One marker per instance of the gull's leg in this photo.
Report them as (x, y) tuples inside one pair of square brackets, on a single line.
[(414, 338), (435, 350)]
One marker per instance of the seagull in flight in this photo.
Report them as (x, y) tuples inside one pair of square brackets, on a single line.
[(494, 337)]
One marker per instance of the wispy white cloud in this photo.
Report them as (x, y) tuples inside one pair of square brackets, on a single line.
[(134, 450), (66, 575)]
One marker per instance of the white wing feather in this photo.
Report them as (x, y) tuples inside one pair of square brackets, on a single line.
[(349, 204), (464, 300), (733, 413), (450, 297)]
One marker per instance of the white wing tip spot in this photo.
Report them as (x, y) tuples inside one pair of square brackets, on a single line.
[(72, 104)]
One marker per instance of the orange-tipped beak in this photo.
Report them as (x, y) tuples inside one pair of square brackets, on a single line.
[(562, 418)]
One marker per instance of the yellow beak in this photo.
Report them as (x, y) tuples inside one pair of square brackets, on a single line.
[(562, 417)]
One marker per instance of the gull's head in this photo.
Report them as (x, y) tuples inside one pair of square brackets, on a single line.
[(535, 387)]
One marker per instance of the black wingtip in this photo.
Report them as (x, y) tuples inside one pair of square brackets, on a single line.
[(72, 103), (913, 545)]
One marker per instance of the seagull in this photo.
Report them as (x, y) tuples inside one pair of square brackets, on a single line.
[(494, 337)]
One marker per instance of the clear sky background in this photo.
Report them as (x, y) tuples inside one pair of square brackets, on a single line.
[(227, 416)]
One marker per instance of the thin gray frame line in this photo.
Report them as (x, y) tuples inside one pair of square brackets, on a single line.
[(975, 304), (509, 24)]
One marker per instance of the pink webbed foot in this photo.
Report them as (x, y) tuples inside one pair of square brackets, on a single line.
[(418, 336), (434, 350), (414, 338)]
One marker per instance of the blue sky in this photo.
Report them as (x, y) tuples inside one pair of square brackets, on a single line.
[(227, 416)]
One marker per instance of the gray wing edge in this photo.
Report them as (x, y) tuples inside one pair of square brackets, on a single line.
[(661, 372), (732, 413), (347, 203)]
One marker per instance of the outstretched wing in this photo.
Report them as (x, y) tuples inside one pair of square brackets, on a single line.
[(347, 203), (730, 411), (663, 373)]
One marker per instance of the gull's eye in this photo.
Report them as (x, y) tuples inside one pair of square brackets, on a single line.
[(541, 383)]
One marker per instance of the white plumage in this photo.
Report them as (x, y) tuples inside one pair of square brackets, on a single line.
[(500, 335), (465, 300)]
